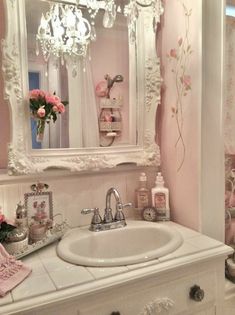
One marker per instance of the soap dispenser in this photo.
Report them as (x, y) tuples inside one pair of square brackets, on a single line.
[(160, 199)]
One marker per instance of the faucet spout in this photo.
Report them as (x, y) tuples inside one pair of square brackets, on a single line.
[(119, 215), (108, 215), (110, 192)]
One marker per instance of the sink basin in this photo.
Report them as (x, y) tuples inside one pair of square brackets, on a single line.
[(137, 242)]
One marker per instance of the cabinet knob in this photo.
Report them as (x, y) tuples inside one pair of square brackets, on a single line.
[(115, 313), (196, 293)]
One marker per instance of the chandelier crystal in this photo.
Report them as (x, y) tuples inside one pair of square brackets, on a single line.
[(65, 33)]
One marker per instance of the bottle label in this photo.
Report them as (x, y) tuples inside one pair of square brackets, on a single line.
[(142, 199), (160, 201), (163, 213)]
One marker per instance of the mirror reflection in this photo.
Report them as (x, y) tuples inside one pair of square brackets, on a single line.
[(83, 101), (108, 96)]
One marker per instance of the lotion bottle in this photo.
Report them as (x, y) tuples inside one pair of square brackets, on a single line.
[(142, 193), (160, 199)]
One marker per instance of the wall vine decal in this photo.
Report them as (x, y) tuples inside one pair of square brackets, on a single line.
[(179, 58)]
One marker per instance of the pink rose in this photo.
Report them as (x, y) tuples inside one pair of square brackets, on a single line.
[(55, 108), (173, 53), (50, 99), (61, 108), (57, 99), (41, 112), (34, 94), (2, 218)]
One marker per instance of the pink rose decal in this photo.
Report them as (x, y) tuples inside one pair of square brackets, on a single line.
[(173, 53), (179, 62)]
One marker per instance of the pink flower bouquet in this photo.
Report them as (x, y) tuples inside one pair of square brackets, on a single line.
[(45, 107)]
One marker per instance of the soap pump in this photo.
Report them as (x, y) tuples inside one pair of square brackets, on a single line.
[(160, 199)]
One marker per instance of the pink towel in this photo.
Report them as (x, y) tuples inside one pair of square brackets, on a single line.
[(12, 271)]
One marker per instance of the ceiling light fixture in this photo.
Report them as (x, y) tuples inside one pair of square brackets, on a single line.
[(65, 33)]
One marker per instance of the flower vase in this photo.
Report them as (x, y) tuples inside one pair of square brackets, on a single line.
[(40, 130)]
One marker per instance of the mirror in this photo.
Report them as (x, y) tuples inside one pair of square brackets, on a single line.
[(112, 93), (82, 124)]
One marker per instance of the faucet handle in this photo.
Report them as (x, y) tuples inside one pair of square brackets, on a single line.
[(127, 205), (120, 206), (119, 215), (87, 211), (96, 219)]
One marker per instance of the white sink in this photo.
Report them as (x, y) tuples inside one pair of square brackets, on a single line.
[(137, 242)]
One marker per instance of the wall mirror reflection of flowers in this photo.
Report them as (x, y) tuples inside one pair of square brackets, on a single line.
[(44, 107)]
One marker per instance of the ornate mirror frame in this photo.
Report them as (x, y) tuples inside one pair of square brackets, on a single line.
[(22, 159)]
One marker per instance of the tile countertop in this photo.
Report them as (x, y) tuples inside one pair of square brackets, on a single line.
[(53, 279)]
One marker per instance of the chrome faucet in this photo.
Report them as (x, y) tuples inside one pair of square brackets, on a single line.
[(109, 221)]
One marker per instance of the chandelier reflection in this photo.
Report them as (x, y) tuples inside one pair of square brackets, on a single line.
[(65, 33)]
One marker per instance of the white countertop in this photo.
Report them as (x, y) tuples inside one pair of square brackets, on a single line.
[(53, 278)]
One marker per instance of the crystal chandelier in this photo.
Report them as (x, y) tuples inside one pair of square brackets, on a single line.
[(65, 33)]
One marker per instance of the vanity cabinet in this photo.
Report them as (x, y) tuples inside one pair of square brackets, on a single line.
[(188, 281), (164, 292)]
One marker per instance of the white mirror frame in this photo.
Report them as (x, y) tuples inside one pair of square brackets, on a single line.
[(22, 159)]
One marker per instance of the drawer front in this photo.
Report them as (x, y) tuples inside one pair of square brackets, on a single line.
[(171, 298)]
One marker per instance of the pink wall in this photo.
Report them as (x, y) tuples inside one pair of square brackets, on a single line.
[(4, 113), (183, 184)]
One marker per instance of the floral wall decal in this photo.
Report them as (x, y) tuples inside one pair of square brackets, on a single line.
[(179, 58)]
